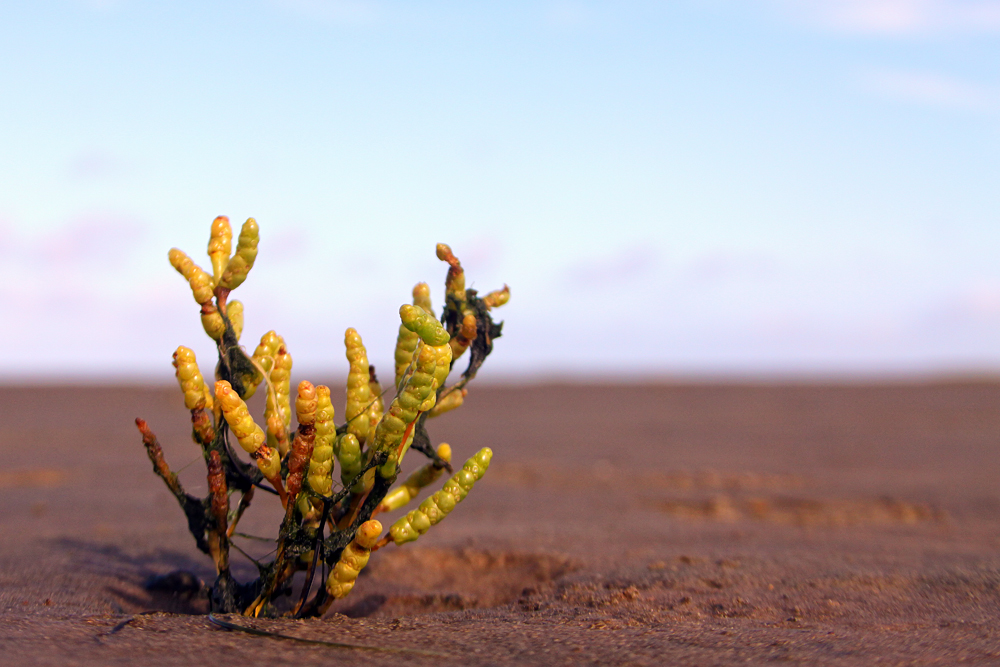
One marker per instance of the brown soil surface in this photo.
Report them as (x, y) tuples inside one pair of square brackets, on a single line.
[(626, 525)]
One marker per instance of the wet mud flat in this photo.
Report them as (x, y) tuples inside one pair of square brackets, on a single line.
[(701, 524)]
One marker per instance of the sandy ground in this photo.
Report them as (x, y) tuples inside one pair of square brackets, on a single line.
[(631, 525)]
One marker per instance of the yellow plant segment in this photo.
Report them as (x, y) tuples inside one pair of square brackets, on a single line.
[(220, 244), (436, 340), (422, 297), (461, 483), (277, 407), (419, 322), (263, 356), (420, 478), (190, 378), (202, 287), (235, 313), (321, 461), (453, 399), (358, 391), (406, 340), (441, 370), (437, 506), (306, 404), (454, 283), (281, 376), (497, 298), (353, 559), (404, 409), (248, 434), (348, 451), (444, 357), (461, 341), (277, 436), (406, 344), (376, 406), (242, 260), (200, 282), (266, 349), (212, 322)]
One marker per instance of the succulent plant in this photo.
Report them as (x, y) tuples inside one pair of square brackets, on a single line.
[(328, 524)]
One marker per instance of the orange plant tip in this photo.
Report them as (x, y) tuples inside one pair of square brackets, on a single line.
[(351, 337), (497, 298), (306, 403), (368, 533), (469, 326)]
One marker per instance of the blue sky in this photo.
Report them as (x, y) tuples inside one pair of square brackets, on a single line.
[(689, 187)]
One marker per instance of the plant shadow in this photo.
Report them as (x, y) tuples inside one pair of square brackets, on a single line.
[(151, 580)]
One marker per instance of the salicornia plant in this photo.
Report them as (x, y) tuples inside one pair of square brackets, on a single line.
[(328, 523)]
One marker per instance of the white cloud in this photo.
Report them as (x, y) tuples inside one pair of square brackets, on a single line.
[(96, 165), (565, 14), (621, 266), (96, 243), (929, 88), (351, 12), (100, 5), (897, 17), (722, 267)]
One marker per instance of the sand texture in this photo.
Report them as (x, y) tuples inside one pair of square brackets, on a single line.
[(618, 525)]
